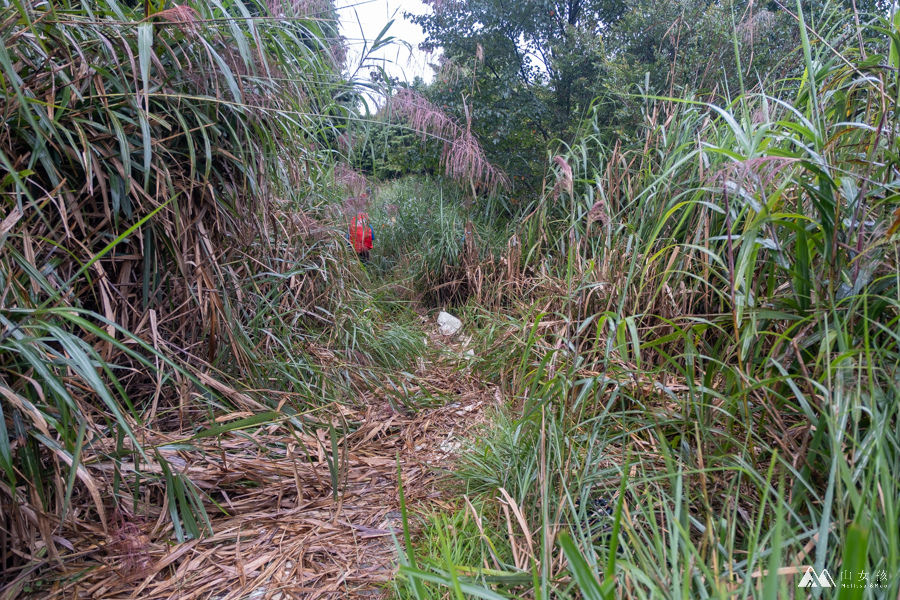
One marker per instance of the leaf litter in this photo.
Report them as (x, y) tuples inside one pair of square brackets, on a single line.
[(278, 530)]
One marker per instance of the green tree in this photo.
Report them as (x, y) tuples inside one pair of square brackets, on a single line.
[(525, 74), (542, 54)]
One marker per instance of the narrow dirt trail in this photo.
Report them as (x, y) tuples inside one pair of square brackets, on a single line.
[(281, 534)]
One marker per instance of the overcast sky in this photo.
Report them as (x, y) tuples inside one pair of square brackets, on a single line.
[(364, 19)]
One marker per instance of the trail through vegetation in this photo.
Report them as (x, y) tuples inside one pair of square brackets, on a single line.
[(673, 247), (301, 515)]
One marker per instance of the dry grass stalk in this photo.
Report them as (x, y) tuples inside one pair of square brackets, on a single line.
[(184, 17), (756, 25), (355, 204), (463, 157), (174, 288), (598, 213), (564, 178), (278, 528), (299, 8), (448, 71), (350, 180), (753, 175)]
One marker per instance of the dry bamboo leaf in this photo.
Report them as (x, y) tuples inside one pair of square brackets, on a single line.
[(520, 517), (91, 485)]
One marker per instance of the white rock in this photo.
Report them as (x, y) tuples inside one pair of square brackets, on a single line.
[(448, 446), (448, 323)]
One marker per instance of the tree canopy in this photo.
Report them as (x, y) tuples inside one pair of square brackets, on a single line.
[(523, 76)]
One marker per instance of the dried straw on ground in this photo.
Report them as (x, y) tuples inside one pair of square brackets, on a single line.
[(278, 532)]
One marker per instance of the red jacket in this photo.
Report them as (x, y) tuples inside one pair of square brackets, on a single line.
[(361, 233)]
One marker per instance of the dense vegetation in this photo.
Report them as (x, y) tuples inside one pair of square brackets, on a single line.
[(697, 326), (529, 77), (680, 281), (168, 271)]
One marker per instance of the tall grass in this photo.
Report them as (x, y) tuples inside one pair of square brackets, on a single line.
[(161, 262), (705, 401), (435, 241)]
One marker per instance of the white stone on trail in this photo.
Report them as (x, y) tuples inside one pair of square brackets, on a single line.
[(448, 323), (449, 447)]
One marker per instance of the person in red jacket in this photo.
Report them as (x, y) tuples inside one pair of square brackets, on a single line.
[(361, 235)]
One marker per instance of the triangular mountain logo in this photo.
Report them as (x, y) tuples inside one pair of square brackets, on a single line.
[(811, 580)]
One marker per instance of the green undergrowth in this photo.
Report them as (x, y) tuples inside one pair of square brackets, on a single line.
[(705, 503), (699, 354), (164, 262), (421, 230)]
